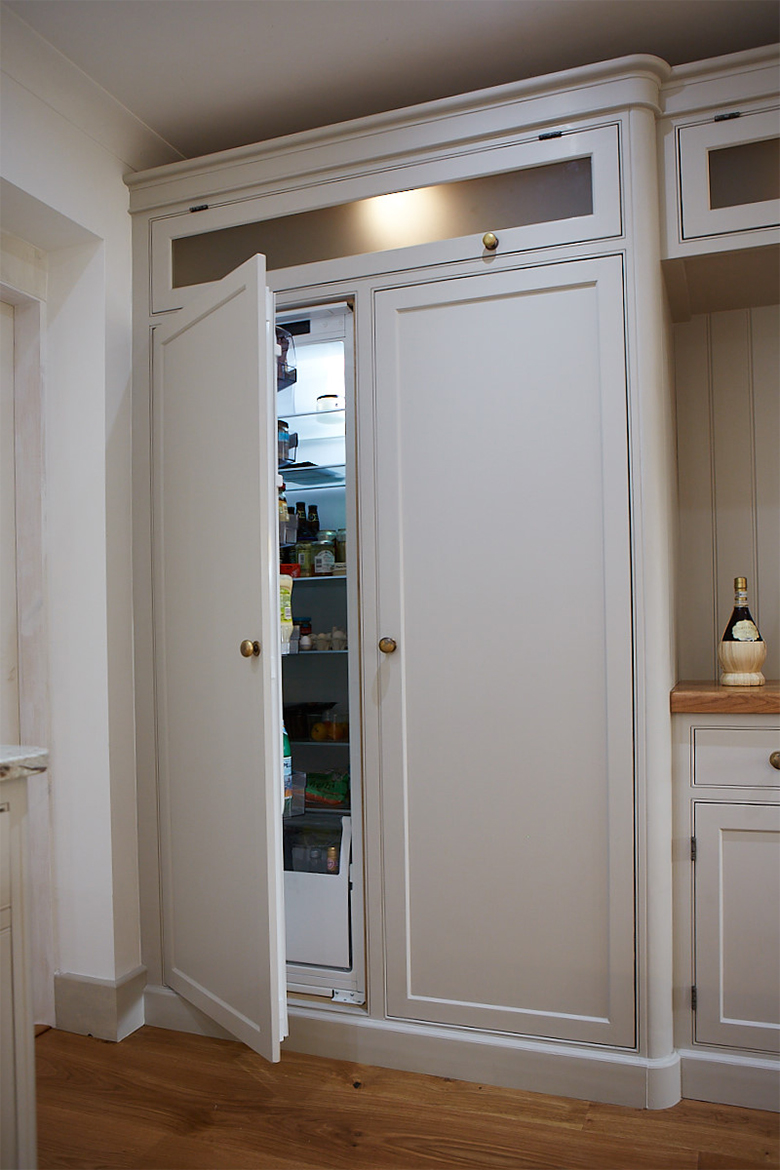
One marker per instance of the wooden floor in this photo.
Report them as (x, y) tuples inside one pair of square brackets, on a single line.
[(167, 1100)]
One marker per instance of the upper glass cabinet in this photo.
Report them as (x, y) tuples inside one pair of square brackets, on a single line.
[(729, 174), (557, 188), (541, 194)]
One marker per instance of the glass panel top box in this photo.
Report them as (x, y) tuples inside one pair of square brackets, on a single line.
[(541, 194)]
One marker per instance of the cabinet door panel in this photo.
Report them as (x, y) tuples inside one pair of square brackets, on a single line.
[(219, 722), (506, 712), (737, 915)]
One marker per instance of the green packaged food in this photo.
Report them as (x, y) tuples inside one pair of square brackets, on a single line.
[(327, 789)]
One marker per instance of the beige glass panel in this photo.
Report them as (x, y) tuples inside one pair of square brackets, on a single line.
[(748, 173), (543, 194)]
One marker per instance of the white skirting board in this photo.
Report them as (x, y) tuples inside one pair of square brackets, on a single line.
[(107, 1008), (730, 1078), (591, 1074), (347, 1034)]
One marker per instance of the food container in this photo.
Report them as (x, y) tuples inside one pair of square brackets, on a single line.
[(303, 556), (337, 724), (297, 715), (297, 803), (283, 441), (323, 557)]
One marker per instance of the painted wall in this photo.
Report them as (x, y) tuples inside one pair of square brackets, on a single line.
[(65, 148), (728, 420)]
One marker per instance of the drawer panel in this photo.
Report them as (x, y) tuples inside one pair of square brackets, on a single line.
[(730, 757)]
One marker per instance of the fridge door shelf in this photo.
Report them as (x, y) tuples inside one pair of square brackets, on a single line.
[(317, 911)]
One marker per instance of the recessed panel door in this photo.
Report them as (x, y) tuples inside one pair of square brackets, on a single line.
[(505, 706), (737, 917), (217, 658)]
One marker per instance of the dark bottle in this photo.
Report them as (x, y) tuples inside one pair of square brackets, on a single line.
[(741, 651), (304, 528), (741, 627), (313, 521)]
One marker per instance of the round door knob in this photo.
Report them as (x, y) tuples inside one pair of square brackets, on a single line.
[(387, 645), (249, 649), (490, 240), (774, 760)]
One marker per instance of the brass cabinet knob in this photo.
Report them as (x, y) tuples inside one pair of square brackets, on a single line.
[(387, 645), (774, 760), (490, 240), (249, 649)]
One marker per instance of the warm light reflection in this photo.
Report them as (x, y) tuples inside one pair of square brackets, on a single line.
[(403, 218)]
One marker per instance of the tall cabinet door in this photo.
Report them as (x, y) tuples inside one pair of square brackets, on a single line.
[(506, 710), (219, 721)]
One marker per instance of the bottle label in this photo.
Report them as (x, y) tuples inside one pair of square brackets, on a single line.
[(745, 631), (323, 563)]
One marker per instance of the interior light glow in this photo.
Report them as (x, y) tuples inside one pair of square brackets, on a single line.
[(403, 218)]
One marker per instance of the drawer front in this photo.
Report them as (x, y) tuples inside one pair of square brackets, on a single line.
[(730, 757)]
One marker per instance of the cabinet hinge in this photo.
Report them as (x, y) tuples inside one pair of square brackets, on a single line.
[(726, 117), (200, 207), (694, 998), (693, 848), (348, 997), (551, 134)]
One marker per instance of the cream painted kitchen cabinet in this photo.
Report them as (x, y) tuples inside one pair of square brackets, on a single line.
[(510, 454), (727, 860), (497, 843)]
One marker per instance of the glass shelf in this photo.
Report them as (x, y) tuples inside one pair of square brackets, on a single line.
[(312, 653), (333, 743), (313, 475), (320, 579)]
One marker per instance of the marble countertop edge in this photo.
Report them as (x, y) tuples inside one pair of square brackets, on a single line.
[(20, 760)]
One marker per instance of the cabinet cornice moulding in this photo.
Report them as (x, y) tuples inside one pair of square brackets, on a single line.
[(749, 76), (557, 99)]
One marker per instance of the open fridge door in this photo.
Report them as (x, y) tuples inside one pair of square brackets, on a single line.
[(217, 657)]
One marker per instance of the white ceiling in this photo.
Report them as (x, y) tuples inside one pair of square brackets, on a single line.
[(211, 74)]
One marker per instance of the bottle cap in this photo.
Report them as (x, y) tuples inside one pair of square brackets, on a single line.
[(740, 582)]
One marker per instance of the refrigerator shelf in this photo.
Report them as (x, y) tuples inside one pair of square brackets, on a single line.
[(319, 743), (313, 475)]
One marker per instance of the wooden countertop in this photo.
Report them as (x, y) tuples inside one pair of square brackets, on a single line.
[(710, 698)]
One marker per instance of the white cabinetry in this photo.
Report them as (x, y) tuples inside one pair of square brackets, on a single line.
[(502, 837), (17, 1058), (729, 173), (509, 441), (720, 143), (727, 855)]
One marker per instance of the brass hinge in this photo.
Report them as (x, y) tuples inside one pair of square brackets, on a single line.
[(694, 998), (693, 848)]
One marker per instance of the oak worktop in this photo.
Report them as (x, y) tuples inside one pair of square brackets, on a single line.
[(710, 698)]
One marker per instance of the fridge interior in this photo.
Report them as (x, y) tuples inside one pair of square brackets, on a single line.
[(322, 840)]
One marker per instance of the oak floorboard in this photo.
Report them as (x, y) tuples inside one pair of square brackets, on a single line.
[(165, 1100), (750, 1136)]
